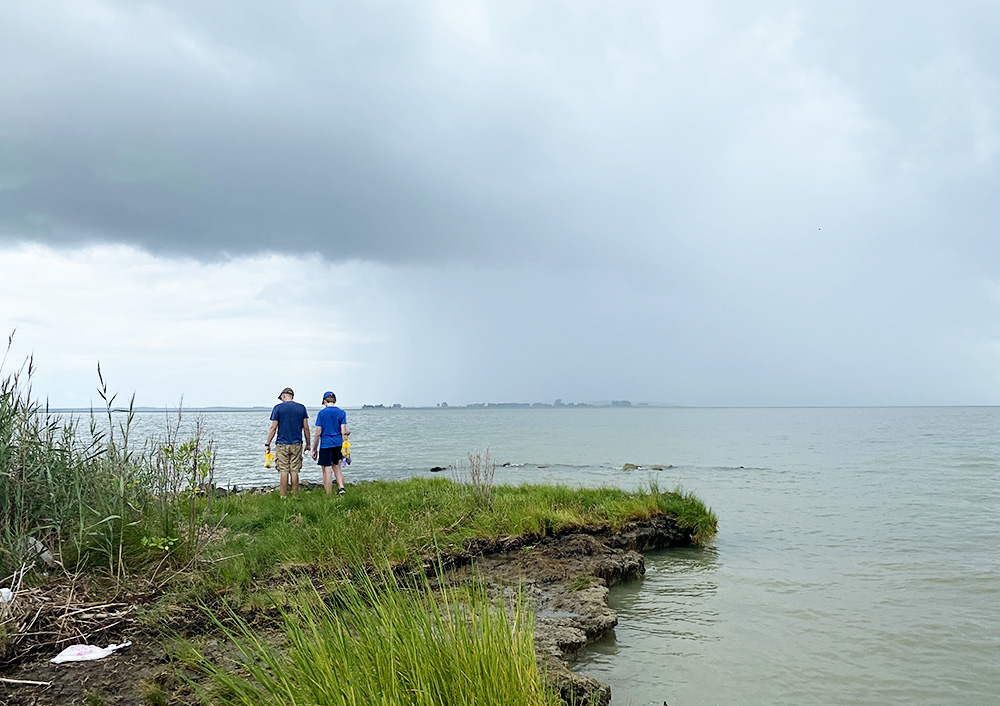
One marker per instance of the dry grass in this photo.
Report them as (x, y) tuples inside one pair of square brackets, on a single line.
[(478, 474), (43, 618)]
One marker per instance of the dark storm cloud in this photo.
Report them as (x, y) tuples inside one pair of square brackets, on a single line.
[(718, 202), (416, 131), (347, 131)]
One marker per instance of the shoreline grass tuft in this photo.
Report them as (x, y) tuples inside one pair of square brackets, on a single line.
[(382, 640)]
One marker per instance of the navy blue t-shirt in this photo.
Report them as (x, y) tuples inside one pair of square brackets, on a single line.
[(290, 416), (329, 420)]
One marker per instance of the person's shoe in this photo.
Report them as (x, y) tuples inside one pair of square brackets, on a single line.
[(341, 491)]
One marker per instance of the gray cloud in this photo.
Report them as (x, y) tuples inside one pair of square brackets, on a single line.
[(720, 202), (420, 132)]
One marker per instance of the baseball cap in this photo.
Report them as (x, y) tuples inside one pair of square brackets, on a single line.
[(328, 393), (286, 391)]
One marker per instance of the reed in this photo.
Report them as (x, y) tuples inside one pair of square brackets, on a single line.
[(90, 497), (63, 491)]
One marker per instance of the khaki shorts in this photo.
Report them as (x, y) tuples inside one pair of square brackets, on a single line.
[(288, 458)]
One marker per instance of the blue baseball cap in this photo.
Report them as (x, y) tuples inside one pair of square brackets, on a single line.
[(328, 394)]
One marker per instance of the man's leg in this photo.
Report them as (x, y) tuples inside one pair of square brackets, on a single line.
[(296, 466), (282, 463)]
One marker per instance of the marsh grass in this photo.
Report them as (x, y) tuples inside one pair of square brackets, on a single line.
[(380, 640), (403, 523)]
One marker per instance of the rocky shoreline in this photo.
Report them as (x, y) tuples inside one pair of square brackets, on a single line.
[(566, 580)]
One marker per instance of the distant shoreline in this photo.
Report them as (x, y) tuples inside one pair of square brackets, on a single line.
[(384, 408), (516, 405)]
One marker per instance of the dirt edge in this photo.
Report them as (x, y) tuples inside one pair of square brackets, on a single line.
[(565, 578)]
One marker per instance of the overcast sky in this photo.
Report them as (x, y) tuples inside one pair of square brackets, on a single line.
[(711, 203)]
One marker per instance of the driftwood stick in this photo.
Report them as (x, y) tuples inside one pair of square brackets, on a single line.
[(90, 607), (4, 680)]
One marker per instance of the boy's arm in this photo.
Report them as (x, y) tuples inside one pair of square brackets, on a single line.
[(319, 432)]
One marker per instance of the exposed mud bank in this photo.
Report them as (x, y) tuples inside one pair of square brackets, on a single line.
[(566, 579)]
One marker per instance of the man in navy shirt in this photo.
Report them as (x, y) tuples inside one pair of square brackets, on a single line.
[(289, 420)]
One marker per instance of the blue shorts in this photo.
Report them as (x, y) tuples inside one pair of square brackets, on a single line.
[(329, 457)]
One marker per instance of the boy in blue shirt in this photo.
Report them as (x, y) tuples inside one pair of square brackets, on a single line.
[(330, 434)]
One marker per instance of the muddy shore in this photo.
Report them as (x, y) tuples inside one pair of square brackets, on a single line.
[(564, 578)]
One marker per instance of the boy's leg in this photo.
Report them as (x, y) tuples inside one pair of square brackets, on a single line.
[(327, 479), (339, 473)]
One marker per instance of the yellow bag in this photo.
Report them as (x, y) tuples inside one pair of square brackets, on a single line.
[(345, 451), (268, 459)]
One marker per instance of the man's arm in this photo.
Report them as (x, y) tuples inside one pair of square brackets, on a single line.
[(270, 432), (305, 428)]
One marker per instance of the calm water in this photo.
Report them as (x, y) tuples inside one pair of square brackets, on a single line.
[(858, 556)]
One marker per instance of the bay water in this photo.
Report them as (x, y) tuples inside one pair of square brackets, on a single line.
[(857, 560)]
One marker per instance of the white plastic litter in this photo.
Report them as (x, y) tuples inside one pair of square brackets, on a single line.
[(86, 653), (40, 551), (6, 595)]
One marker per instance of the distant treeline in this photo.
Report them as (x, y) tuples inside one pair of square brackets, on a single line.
[(519, 405)]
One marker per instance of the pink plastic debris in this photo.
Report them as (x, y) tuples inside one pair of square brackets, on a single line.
[(86, 653)]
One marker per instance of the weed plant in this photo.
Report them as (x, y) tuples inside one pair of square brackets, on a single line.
[(382, 641), (183, 467)]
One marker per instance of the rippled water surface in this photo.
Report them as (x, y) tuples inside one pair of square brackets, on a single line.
[(858, 556)]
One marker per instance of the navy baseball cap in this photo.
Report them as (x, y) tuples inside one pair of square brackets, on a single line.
[(329, 394)]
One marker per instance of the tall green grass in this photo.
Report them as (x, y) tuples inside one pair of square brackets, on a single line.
[(379, 641), (85, 490), (77, 493)]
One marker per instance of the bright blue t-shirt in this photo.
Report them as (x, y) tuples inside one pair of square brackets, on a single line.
[(329, 420), (290, 416)]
